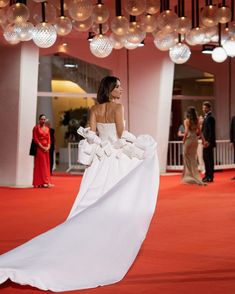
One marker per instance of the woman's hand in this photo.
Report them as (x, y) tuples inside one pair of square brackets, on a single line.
[(45, 149), (205, 144)]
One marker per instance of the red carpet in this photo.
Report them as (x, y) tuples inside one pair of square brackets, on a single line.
[(190, 247)]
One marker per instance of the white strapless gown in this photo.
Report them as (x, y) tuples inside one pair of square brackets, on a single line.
[(103, 233)]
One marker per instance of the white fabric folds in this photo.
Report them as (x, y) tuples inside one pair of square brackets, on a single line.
[(107, 224), (141, 147)]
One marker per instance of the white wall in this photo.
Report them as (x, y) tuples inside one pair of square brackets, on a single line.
[(9, 104), (18, 96)]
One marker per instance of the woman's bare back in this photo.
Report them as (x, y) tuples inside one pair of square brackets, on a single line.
[(109, 112), (105, 112)]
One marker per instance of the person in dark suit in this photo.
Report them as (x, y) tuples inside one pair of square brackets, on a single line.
[(52, 148), (208, 130), (232, 137), (232, 134)]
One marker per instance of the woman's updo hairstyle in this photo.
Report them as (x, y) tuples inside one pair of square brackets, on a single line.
[(107, 85)]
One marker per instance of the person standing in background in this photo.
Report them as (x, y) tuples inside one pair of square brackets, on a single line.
[(201, 165), (232, 137), (180, 136), (232, 134), (192, 131), (180, 133), (208, 131), (52, 147), (41, 171)]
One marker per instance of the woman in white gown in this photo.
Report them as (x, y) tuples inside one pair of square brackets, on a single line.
[(108, 222)]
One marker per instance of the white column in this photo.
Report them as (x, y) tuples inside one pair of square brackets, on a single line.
[(18, 98), (150, 87), (163, 117), (44, 104)]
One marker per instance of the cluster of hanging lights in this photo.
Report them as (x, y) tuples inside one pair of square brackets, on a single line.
[(169, 27)]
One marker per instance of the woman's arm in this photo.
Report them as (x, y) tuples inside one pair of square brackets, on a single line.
[(119, 119), (186, 129), (180, 133), (49, 140), (200, 134), (92, 120)]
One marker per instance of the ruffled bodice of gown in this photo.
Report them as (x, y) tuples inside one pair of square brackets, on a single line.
[(100, 239)]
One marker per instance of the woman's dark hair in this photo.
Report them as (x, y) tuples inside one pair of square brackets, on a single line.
[(41, 115), (191, 114), (107, 85)]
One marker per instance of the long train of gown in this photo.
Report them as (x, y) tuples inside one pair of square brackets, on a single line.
[(103, 233)]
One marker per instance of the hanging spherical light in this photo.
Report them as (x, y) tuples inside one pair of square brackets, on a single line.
[(195, 36), (219, 54), (180, 53), (63, 25), (134, 33), (209, 16), (50, 15), (148, 23), (117, 41), (152, 6), (130, 46), (100, 13), (80, 9), (119, 25), (205, 41), (164, 40), (10, 35), (229, 46), (18, 13), (58, 4), (215, 39), (154, 33), (231, 28), (134, 7), (4, 3), (24, 30), (3, 16), (96, 29), (101, 46), (189, 38), (224, 36), (210, 32), (4, 25), (83, 26), (224, 14), (45, 35), (184, 26), (168, 21)]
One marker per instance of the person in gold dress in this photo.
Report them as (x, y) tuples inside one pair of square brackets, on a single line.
[(192, 127)]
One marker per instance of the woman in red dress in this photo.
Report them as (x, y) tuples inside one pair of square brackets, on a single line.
[(41, 172)]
